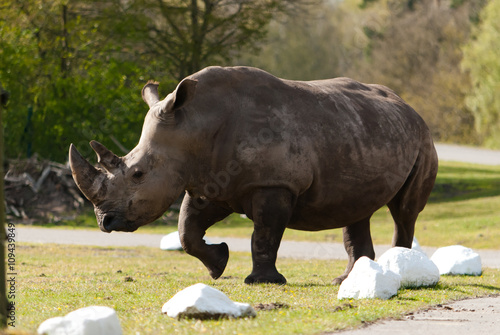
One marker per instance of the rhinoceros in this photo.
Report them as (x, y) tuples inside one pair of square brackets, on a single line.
[(306, 155)]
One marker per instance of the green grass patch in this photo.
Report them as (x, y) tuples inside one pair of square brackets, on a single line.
[(56, 279), (463, 209)]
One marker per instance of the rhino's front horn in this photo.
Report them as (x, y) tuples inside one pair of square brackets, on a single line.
[(84, 174), (105, 157)]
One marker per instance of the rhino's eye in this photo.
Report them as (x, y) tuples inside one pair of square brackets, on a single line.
[(137, 174)]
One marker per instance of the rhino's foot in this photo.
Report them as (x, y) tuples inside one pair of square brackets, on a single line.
[(273, 277), (217, 260), (339, 279)]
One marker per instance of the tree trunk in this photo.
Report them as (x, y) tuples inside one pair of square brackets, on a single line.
[(65, 42), (195, 36), (3, 291)]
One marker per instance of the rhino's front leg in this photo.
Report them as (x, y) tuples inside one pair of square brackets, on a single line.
[(271, 210), (195, 217)]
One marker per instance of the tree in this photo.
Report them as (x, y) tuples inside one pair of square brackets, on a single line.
[(416, 52), (414, 47), (312, 46), (481, 62), (68, 82), (185, 36)]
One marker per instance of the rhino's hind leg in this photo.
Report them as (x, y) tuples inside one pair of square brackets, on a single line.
[(412, 197), (357, 243), (270, 211), (195, 217)]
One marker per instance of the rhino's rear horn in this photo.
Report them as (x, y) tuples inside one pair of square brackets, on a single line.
[(150, 93), (105, 157), (84, 174)]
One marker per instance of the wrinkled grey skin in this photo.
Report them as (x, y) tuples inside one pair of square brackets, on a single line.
[(302, 155)]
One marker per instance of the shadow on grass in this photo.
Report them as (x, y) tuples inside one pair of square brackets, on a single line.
[(463, 288), (305, 285), (464, 182), (486, 287)]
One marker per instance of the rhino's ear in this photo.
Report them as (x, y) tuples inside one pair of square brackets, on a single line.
[(184, 92), (150, 93), (177, 99)]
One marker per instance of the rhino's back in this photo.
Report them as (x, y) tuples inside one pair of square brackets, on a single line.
[(333, 142)]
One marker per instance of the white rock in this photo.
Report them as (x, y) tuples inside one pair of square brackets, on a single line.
[(93, 320), (369, 280), (416, 246), (201, 301), (172, 242), (457, 260), (414, 267), (53, 326)]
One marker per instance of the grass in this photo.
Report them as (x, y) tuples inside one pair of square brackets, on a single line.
[(463, 209), (56, 279)]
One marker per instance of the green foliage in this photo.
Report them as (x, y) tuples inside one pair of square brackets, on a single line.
[(58, 67), (481, 61)]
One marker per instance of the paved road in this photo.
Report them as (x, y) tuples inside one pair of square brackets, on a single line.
[(471, 317), (459, 153), (291, 249)]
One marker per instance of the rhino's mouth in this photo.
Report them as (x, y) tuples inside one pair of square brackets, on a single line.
[(111, 222)]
